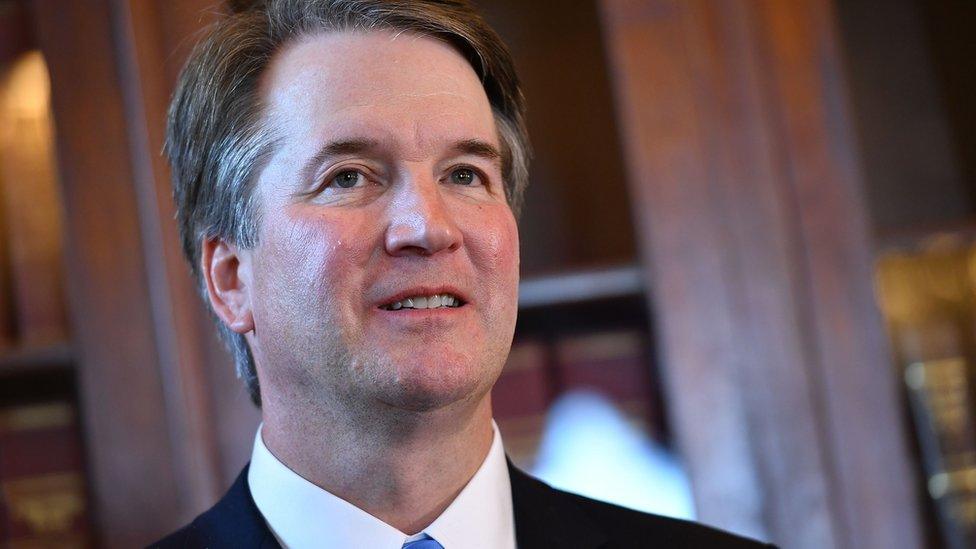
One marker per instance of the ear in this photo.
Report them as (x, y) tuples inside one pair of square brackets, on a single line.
[(227, 271)]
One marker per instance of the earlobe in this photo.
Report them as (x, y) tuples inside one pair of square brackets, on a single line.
[(226, 271)]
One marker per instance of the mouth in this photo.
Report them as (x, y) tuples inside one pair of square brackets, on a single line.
[(424, 301)]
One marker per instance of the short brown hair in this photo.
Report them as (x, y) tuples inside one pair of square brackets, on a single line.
[(216, 140)]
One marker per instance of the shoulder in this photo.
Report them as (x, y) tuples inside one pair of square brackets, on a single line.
[(627, 525), (233, 522), (548, 517), (181, 538)]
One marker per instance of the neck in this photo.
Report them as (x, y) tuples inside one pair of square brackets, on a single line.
[(402, 467)]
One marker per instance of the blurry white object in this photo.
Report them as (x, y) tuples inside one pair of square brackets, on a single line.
[(589, 447)]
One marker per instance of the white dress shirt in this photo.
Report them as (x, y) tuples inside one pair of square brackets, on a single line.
[(302, 515)]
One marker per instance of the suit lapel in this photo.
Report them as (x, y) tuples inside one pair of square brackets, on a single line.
[(546, 518), (234, 521)]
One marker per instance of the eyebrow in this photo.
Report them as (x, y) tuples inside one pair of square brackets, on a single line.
[(336, 148), (476, 147)]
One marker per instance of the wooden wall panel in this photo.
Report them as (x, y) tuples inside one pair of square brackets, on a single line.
[(161, 34), (576, 210), (745, 183), (168, 424), (667, 172), (140, 53), (127, 438), (209, 406), (852, 367)]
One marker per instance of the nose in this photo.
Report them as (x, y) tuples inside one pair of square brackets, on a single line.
[(420, 221)]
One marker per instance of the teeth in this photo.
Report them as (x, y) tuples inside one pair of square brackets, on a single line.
[(425, 302)]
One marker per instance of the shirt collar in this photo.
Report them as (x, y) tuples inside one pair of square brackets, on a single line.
[(300, 514), (481, 515)]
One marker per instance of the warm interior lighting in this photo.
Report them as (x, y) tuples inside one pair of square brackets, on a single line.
[(25, 91), (30, 203)]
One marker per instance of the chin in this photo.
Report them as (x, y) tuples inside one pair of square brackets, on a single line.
[(423, 385)]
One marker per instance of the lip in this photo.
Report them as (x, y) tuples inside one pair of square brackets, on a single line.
[(426, 291)]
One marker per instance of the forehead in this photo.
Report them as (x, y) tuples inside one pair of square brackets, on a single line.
[(379, 84)]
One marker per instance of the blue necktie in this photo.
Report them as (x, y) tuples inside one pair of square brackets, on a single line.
[(426, 543)]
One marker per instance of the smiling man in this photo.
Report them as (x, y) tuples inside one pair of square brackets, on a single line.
[(346, 174)]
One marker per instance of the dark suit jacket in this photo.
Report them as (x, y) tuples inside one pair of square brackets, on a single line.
[(544, 518)]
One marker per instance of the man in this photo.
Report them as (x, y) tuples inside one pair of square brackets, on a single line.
[(346, 173)]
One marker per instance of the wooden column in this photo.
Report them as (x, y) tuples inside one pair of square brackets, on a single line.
[(121, 393), (746, 188), (211, 406), (167, 425), (141, 56)]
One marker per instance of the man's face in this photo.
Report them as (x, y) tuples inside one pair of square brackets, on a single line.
[(384, 191)]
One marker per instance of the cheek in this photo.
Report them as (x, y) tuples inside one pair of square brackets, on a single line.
[(494, 245), (308, 257), (504, 242)]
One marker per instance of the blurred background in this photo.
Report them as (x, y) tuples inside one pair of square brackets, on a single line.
[(748, 270)]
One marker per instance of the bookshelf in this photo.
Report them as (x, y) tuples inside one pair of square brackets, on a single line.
[(39, 359), (911, 89), (580, 286), (926, 292), (583, 366), (44, 497), (590, 300)]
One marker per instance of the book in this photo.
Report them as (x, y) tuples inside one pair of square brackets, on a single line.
[(927, 296), (520, 399), (615, 364), (942, 405), (43, 496)]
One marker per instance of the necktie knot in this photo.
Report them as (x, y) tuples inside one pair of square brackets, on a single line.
[(426, 543)]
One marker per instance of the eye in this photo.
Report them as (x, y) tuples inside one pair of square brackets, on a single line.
[(347, 179), (465, 176)]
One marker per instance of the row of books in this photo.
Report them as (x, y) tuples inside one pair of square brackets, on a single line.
[(43, 496), (616, 365), (928, 296)]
